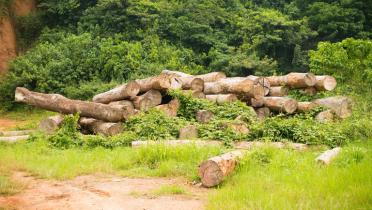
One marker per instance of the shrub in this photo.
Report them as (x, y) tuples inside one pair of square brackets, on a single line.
[(68, 135)]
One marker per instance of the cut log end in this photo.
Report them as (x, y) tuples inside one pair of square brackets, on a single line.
[(211, 174), (326, 83)]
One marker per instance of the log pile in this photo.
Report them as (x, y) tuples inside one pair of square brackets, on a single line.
[(267, 95)]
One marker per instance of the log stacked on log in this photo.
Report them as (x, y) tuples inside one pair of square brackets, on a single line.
[(266, 94)]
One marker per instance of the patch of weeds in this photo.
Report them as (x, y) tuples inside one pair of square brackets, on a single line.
[(170, 190)]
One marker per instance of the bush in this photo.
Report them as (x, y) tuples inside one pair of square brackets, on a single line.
[(68, 135)]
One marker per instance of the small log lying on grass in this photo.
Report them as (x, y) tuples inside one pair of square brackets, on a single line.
[(281, 104), (213, 171), (278, 91), (327, 156), (326, 83), (170, 109), (340, 105), (325, 116), (293, 80), (58, 103), (137, 144), (306, 106), (11, 139), (261, 81), (188, 132), (51, 124), (204, 116), (262, 113), (119, 93), (221, 98), (16, 133), (100, 127), (148, 100), (160, 82)]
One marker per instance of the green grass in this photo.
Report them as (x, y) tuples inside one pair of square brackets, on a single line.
[(160, 161), (284, 179), (170, 190)]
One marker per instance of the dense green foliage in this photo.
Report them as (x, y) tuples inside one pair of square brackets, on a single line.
[(78, 42)]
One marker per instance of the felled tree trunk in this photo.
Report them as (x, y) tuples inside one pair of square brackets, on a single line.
[(238, 85), (162, 82), (58, 103), (213, 171), (195, 93), (148, 100), (326, 83), (204, 116), (16, 133), (254, 102), (100, 127), (293, 80), (325, 116), (122, 103), (189, 132), (51, 124), (125, 91), (305, 106), (326, 157), (278, 91), (281, 104), (263, 113), (261, 81), (340, 105), (221, 98), (209, 77), (170, 109)]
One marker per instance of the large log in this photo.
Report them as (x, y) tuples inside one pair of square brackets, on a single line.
[(195, 93), (162, 82), (306, 106), (209, 77), (222, 98), (213, 171), (281, 104), (122, 103), (148, 100), (16, 133), (261, 81), (278, 91), (100, 127), (325, 116), (119, 93), (58, 103), (262, 113), (340, 105), (327, 156), (293, 80), (326, 82), (257, 102), (51, 124), (238, 85), (170, 109)]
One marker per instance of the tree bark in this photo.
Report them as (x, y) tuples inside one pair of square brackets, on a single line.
[(278, 91), (51, 124), (238, 85), (305, 106), (58, 103), (209, 77), (171, 108), (261, 81), (293, 80), (326, 83), (11, 139), (16, 133), (326, 157), (281, 104), (340, 105), (122, 103), (100, 127), (195, 93), (254, 102), (213, 171), (204, 116), (325, 116), (148, 100), (263, 113), (121, 92), (221, 98), (162, 82), (188, 132)]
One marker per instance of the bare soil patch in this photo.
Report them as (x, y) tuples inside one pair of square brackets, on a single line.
[(101, 192)]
